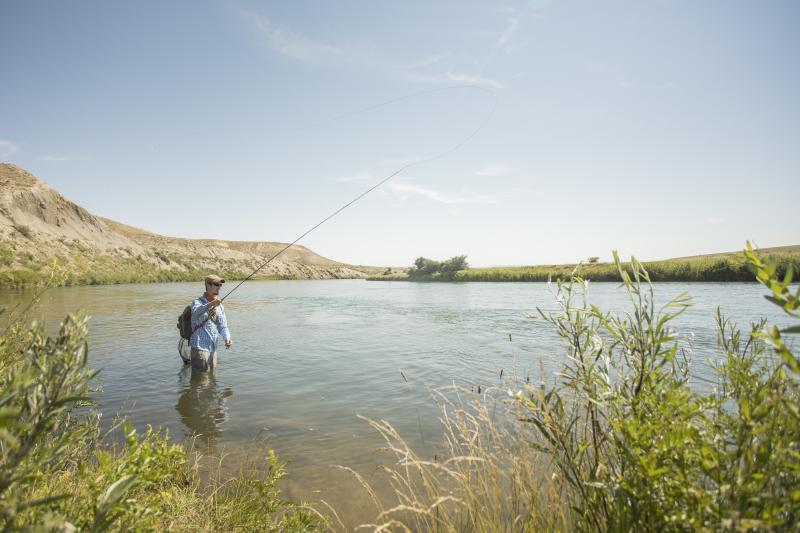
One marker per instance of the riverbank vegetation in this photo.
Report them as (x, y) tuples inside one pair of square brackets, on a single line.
[(425, 268), (88, 266), (719, 267), (20, 267), (623, 440)]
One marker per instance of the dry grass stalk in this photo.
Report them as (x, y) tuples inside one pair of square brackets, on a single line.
[(486, 478)]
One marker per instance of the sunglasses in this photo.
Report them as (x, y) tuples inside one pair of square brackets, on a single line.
[(214, 283)]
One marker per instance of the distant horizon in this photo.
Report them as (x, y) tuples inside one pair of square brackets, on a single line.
[(411, 261), (664, 129)]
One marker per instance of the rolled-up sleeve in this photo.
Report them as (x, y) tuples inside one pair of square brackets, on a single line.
[(222, 325), (199, 313)]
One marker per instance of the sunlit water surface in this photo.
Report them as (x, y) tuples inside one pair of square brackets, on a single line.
[(309, 356)]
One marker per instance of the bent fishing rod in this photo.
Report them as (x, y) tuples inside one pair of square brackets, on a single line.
[(447, 152)]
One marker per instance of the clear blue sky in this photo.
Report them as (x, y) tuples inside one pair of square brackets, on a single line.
[(659, 128)]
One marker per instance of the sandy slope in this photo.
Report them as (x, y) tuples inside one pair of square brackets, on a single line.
[(37, 224)]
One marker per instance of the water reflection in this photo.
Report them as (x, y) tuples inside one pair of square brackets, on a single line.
[(201, 404)]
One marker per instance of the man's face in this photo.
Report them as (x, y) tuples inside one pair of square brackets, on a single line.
[(212, 288)]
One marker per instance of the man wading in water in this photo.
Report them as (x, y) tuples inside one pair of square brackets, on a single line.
[(208, 321)]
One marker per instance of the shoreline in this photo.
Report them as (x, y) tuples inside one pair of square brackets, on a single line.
[(717, 268)]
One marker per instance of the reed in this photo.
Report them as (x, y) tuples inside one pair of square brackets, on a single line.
[(485, 477)]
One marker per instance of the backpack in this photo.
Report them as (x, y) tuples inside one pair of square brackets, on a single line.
[(185, 323)]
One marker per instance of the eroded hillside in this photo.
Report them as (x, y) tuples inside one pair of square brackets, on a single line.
[(39, 226)]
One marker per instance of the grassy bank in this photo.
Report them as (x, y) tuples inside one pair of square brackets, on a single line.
[(102, 272), (730, 267), (124, 273), (28, 264), (85, 266)]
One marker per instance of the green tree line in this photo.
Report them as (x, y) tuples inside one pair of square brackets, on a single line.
[(724, 268), (429, 268)]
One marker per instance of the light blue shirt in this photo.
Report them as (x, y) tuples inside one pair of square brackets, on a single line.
[(206, 337)]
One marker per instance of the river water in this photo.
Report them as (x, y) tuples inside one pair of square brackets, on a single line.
[(309, 356)]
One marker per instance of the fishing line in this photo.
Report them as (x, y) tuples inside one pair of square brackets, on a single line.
[(392, 101), (348, 114), (406, 166)]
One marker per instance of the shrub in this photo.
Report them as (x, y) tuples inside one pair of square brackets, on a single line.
[(6, 255), (24, 230), (37, 400), (164, 258), (639, 449), (454, 264), (428, 268), (425, 267)]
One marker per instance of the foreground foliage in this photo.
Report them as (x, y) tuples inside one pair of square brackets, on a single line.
[(639, 448)]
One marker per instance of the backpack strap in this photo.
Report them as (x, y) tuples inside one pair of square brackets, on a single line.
[(204, 321)]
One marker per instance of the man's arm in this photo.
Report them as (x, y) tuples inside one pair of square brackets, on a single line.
[(222, 324), (200, 310), (199, 313)]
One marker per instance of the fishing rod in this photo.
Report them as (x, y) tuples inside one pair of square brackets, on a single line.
[(447, 152)]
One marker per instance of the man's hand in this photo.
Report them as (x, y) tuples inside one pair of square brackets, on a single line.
[(228, 343), (215, 302)]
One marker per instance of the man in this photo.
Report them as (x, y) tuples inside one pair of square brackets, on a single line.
[(208, 322)]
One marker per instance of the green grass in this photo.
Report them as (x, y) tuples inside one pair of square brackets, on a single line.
[(164, 492), (85, 266), (732, 267)]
